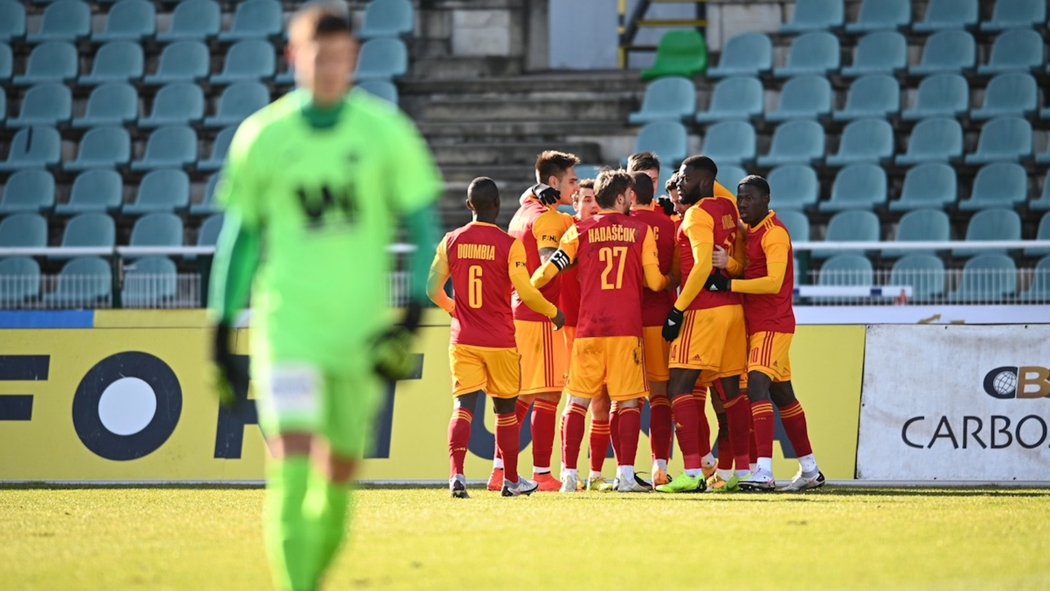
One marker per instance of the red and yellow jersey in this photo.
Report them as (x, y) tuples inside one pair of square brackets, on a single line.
[(569, 301), (712, 221), (769, 278), (657, 304), (538, 227)]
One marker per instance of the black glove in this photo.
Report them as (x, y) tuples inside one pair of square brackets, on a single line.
[(673, 324), (229, 377), (718, 282), (666, 204), (392, 349), (547, 195)]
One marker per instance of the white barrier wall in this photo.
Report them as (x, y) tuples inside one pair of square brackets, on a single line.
[(955, 403)]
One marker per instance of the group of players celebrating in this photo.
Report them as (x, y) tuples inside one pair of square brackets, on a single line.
[(633, 299)]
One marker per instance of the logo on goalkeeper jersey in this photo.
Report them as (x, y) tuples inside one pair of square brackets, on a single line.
[(1026, 381)]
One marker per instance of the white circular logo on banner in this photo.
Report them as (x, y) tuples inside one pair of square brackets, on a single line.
[(1005, 383), (127, 406)]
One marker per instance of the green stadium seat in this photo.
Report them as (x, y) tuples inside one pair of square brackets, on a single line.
[(389, 18), (116, 61), (1001, 184), (94, 191), (383, 89), (854, 225), (149, 282), (947, 52), (1018, 50), (210, 229), (237, 102), (129, 20), (1039, 288), (182, 61), (1015, 14), (218, 150), (1003, 139), (666, 99), (19, 281), (918, 226), (168, 147), (946, 15), (937, 139), (84, 282), (729, 175), (881, 15), (89, 230), (208, 206), (180, 103), (804, 97), (923, 272), (48, 103), (116, 103), (794, 186), (846, 269), (255, 19), (814, 53), (250, 60), (731, 142), (1043, 203), (991, 224), (1012, 94), (667, 139), (193, 20), (883, 52), (933, 184), (864, 140), (28, 191), (64, 20), (157, 229), (680, 53), (858, 186), (750, 54), (23, 230), (876, 95), (55, 61), (37, 146), (940, 95), (102, 147), (12, 20), (797, 224), (1042, 233), (795, 142), (986, 278), (163, 190), (382, 59), (816, 15), (7, 67), (734, 98)]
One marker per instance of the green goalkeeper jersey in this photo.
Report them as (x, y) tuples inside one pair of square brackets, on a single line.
[(325, 203)]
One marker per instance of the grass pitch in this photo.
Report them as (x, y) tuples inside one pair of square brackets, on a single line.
[(421, 539)]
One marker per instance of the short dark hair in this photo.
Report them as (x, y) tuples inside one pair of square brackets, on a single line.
[(755, 181), (320, 19), (642, 161), (587, 184), (609, 184), (672, 183), (701, 163), (643, 188), (483, 193), (553, 163)]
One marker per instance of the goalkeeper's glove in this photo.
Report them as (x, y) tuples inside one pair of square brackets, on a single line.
[(392, 350), (719, 282), (546, 194), (673, 324), (666, 204), (229, 376)]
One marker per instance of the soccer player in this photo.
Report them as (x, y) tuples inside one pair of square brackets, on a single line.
[(484, 263), (617, 258), (318, 180), (769, 278)]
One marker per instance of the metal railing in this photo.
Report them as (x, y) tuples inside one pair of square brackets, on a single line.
[(925, 287)]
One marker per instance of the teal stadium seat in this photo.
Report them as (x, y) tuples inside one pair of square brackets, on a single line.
[(28, 191), (48, 103), (1044, 157), (734, 98), (750, 54), (588, 171), (382, 59), (882, 52), (163, 190), (986, 278), (937, 139), (1003, 139), (383, 89), (1012, 94), (388, 18), (918, 226), (84, 282), (3, 104), (667, 139), (180, 103), (102, 147), (1043, 203), (729, 175), (115, 103), (149, 282), (250, 60), (864, 140), (157, 229), (210, 229), (666, 99), (795, 142), (193, 20), (1041, 233), (933, 184), (991, 224), (856, 225), (64, 20), (881, 15), (1015, 14), (255, 19), (168, 147), (876, 95), (218, 151), (858, 186), (237, 102), (55, 61), (19, 281), (923, 272), (1018, 50), (182, 61), (846, 269), (680, 53), (1001, 184), (946, 52), (940, 95), (207, 206), (804, 97), (816, 15), (944, 15), (797, 225), (7, 67), (814, 53), (129, 20), (116, 61), (731, 142), (89, 230), (28, 230), (94, 191), (37, 146), (794, 186), (12, 20), (1039, 288)]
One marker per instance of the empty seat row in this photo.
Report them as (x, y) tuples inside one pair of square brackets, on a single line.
[(98, 230), (172, 146), (819, 15), (148, 282)]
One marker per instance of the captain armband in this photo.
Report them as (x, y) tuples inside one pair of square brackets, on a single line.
[(560, 259)]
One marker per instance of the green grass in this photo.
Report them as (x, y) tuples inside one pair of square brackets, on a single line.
[(420, 539)]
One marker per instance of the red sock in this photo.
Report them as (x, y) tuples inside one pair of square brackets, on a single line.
[(660, 433), (614, 429), (629, 425), (521, 410), (738, 415), (703, 428), (508, 442), (572, 425), (544, 417), (725, 444), (753, 452), (683, 410), (599, 444), (794, 420), (762, 415), (458, 439)]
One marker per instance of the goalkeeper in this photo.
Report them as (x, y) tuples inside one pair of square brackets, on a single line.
[(314, 188)]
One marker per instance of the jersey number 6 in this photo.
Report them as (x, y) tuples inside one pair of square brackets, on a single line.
[(474, 293)]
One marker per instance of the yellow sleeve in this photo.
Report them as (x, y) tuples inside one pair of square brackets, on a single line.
[(557, 262), (654, 279), (548, 230), (519, 277), (439, 274), (738, 260), (676, 266), (777, 247), (721, 191), (699, 227)]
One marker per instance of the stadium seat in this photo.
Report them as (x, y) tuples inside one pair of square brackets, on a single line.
[(920, 225), (731, 142), (28, 191), (750, 54), (816, 15), (218, 151), (1008, 94), (797, 225), (991, 224), (250, 60), (850, 226), (944, 15), (102, 147), (923, 272), (83, 282), (881, 15), (803, 97), (948, 52), (210, 229), (1003, 139), (1018, 50), (680, 53), (940, 95), (729, 175), (793, 186), (255, 19), (1015, 14), (1039, 288), (237, 102), (89, 230), (383, 89), (846, 269), (858, 186), (182, 61), (94, 191), (36, 146), (1043, 203), (876, 95), (734, 98), (180, 103), (193, 20), (115, 103), (7, 67), (149, 282), (162, 190), (48, 103), (884, 52), (64, 20), (116, 61), (1001, 184), (986, 278), (1044, 157), (813, 53), (12, 20), (208, 206), (168, 147), (23, 230), (3, 104), (795, 142), (1042, 233), (933, 184), (55, 61), (938, 139), (666, 99), (667, 139), (588, 171), (157, 229), (20, 277), (390, 18), (129, 20), (382, 59), (864, 140)]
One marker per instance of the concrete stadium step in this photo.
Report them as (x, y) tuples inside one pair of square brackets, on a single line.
[(514, 175), (501, 131), (459, 68), (598, 108), (485, 154), (601, 81)]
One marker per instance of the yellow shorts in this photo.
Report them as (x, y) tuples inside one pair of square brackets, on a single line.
[(615, 362), (657, 352), (496, 371), (544, 358), (712, 340), (769, 353)]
